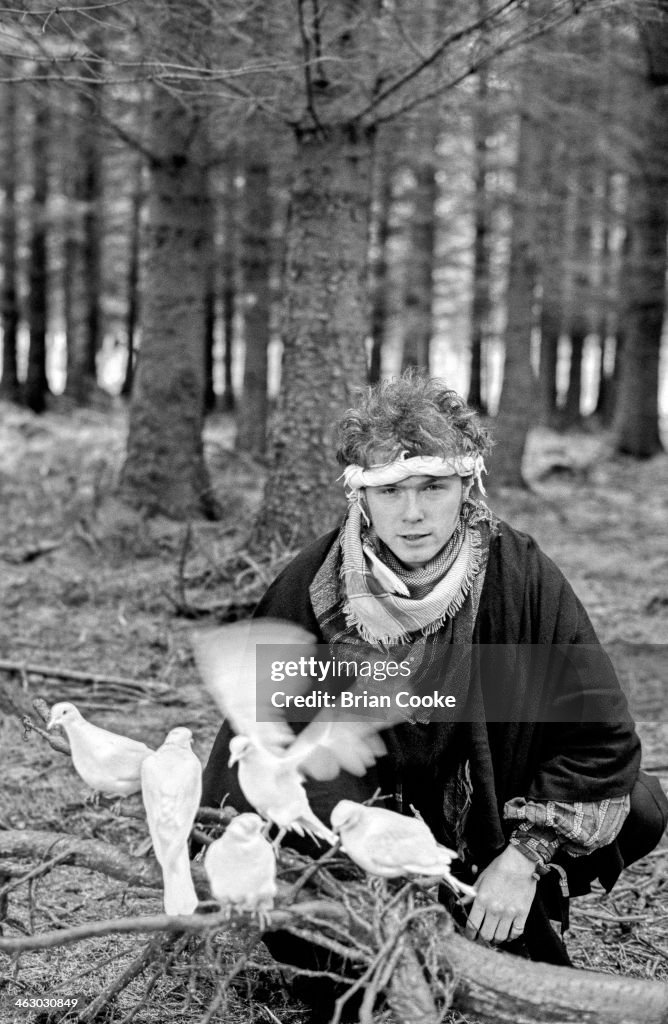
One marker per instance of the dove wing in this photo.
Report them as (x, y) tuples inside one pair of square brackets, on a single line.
[(226, 659), (171, 789), (106, 760), (400, 844), (324, 748)]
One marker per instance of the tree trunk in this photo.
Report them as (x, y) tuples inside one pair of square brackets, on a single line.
[(418, 324), (572, 409), (36, 384), (85, 256), (256, 267), (209, 339), (580, 283), (636, 426), (132, 293), (481, 255), (378, 263), (9, 387), (550, 329), (498, 988), (229, 271), (518, 392), (324, 331), (164, 470)]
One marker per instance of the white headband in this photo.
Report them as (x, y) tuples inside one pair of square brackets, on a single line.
[(355, 477)]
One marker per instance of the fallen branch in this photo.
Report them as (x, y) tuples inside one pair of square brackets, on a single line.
[(58, 743), (149, 688), (31, 844), (492, 986), (196, 923), (499, 988)]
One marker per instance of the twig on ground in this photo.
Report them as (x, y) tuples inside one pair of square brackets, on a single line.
[(55, 742), (37, 872), (149, 688), (153, 947)]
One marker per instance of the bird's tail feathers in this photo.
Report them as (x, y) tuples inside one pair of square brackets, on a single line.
[(314, 828), (179, 892)]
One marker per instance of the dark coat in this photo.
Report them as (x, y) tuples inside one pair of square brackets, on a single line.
[(592, 753)]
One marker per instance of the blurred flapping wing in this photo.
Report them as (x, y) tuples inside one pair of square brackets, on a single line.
[(227, 663)]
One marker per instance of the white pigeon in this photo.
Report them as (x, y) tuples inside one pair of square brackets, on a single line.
[(385, 843), (273, 761), (273, 784), (171, 783), (106, 761), (241, 867)]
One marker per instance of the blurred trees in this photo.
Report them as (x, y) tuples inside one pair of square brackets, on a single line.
[(642, 311), (465, 189), (9, 386)]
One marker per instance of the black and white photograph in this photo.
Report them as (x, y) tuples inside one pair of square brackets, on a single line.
[(334, 512)]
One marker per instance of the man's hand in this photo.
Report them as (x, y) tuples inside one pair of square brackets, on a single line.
[(505, 894)]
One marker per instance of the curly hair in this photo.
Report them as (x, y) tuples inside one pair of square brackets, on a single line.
[(414, 413)]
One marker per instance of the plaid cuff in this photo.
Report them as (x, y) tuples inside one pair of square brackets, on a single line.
[(580, 827), (537, 844)]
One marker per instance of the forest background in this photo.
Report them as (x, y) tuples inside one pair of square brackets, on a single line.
[(218, 219)]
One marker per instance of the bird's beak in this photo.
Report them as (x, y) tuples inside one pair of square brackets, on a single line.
[(50, 724), (233, 760)]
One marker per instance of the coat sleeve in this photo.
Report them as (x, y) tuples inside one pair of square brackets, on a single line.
[(568, 734)]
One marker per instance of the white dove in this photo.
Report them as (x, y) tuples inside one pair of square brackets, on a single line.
[(241, 867), (273, 784), (273, 761), (171, 783), (385, 843), (106, 761)]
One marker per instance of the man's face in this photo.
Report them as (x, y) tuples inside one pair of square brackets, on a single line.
[(416, 517)]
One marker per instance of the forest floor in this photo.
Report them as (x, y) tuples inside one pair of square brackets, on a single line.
[(86, 585)]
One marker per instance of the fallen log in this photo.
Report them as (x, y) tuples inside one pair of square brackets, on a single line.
[(498, 988), (492, 986)]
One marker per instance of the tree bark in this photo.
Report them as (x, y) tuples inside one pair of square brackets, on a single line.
[(256, 267), (418, 320), (636, 426), (324, 321), (518, 391), (36, 385), (164, 471), (498, 988), (550, 329), (132, 279), (85, 255), (10, 387), (378, 262), (229, 285), (481, 255)]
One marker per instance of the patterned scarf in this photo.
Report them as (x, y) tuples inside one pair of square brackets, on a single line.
[(387, 602)]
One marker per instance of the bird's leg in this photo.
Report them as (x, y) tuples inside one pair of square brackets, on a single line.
[(377, 886), (278, 840)]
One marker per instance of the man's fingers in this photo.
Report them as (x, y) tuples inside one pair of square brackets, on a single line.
[(517, 929), (493, 927), (475, 919)]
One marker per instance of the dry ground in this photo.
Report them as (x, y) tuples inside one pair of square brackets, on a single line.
[(85, 585)]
